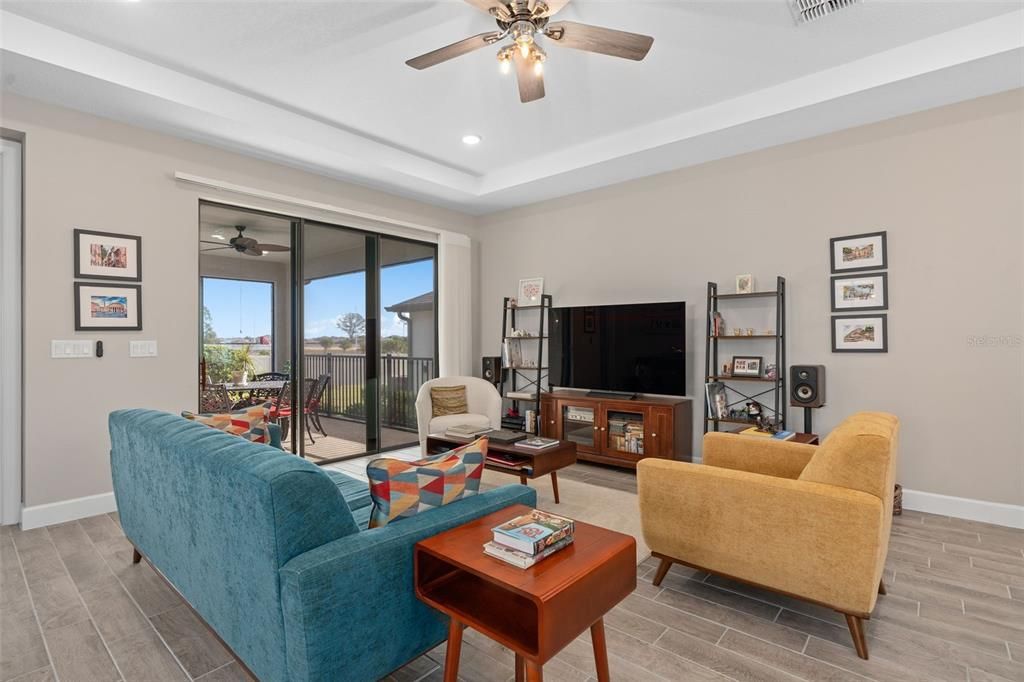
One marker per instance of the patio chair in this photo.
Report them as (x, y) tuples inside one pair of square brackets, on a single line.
[(214, 398), (282, 409)]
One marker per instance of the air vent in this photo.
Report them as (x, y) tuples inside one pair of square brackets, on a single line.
[(809, 10)]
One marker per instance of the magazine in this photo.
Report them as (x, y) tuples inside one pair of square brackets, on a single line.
[(718, 404), (537, 443), (522, 559), (532, 533)]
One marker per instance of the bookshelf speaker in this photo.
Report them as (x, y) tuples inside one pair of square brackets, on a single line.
[(492, 369), (807, 385)]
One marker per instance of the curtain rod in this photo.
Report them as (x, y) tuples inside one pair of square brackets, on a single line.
[(210, 183)]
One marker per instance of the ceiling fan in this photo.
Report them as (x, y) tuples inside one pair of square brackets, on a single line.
[(243, 244), (526, 20)]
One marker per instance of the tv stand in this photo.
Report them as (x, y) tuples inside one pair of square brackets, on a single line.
[(613, 395), (619, 430)]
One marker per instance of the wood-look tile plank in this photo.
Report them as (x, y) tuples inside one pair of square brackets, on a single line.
[(149, 590), (992, 552), (900, 624), (977, 675), (1016, 652), (732, 600), (114, 612), (957, 581), (69, 538), (41, 675), (1014, 569), (79, 654), (475, 664), (656, 660), (232, 672), (668, 616), (41, 563), (794, 663), (580, 655), (25, 539), (190, 641), (876, 668), (88, 570), (718, 659), (922, 532), (142, 656), (100, 528), (414, 670), (21, 644), (57, 603), (636, 625)]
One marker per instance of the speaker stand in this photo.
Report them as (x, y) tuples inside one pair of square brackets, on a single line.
[(807, 421)]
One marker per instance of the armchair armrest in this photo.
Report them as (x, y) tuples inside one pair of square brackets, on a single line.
[(350, 608), (812, 540), (780, 458)]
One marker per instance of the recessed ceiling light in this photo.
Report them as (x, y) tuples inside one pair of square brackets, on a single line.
[(471, 139), (217, 235)]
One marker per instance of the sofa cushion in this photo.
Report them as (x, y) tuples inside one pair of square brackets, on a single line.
[(446, 400), (401, 489), (857, 455), (441, 424), (250, 423), (355, 492)]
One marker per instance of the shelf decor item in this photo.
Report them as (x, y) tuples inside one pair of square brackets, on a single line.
[(530, 291), (860, 334), (744, 284), (717, 401), (858, 252), (747, 365), (105, 255), (860, 292), (108, 307)]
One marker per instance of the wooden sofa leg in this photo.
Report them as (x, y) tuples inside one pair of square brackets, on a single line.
[(136, 557), (662, 571), (860, 643), (881, 587)]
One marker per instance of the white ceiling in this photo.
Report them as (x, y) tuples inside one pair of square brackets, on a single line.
[(324, 85)]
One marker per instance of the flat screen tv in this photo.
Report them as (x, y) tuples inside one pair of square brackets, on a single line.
[(635, 348)]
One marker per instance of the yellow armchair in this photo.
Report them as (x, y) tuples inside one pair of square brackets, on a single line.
[(809, 522)]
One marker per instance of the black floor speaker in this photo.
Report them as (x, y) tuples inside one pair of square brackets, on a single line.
[(807, 385)]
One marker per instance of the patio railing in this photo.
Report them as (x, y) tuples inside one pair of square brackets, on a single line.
[(400, 381)]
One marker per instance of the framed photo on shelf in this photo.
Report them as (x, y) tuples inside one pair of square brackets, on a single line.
[(860, 334), (108, 307), (747, 365), (530, 291), (105, 255), (869, 291), (744, 284), (858, 252), (718, 404)]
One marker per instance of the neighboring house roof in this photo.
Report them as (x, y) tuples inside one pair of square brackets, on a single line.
[(421, 302)]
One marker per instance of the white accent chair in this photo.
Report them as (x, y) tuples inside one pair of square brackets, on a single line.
[(482, 398)]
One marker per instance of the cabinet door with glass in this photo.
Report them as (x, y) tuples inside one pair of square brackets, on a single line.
[(579, 424), (622, 430)]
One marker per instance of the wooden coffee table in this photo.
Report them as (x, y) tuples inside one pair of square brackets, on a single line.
[(543, 462), (536, 611)]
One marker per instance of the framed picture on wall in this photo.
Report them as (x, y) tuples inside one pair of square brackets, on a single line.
[(860, 292), (860, 334), (108, 307), (105, 255), (858, 252)]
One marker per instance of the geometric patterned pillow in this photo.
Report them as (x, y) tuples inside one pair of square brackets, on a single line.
[(401, 490), (249, 423)]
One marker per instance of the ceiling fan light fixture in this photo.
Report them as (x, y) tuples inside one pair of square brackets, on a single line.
[(471, 139)]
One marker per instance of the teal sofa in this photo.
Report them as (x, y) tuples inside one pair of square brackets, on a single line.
[(273, 552)]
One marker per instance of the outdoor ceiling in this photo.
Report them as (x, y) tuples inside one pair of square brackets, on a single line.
[(324, 85)]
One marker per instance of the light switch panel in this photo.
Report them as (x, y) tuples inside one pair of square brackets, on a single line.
[(72, 349), (142, 349)]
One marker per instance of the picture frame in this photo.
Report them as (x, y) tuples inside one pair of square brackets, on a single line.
[(717, 401), (859, 252), (530, 291), (744, 284), (107, 256), (869, 291), (860, 333), (747, 365), (108, 307)]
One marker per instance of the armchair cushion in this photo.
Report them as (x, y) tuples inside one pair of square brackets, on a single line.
[(757, 455), (445, 400), (858, 454), (441, 424)]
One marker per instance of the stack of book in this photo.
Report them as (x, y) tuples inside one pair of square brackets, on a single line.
[(530, 538), (537, 443), (757, 433), (626, 435), (466, 431)]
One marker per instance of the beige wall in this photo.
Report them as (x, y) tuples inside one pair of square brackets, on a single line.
[(946, 184), (83, 171)]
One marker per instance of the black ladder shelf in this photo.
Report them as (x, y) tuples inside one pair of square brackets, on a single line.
[(519, 378), (777, 388)]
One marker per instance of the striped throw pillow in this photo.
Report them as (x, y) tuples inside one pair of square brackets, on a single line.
[(448, 400)]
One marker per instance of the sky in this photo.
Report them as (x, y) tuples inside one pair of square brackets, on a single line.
[(242, 308)]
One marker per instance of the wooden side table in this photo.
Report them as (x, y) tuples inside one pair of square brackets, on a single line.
[(536, 611)]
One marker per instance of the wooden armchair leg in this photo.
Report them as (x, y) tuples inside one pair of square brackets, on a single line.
[(662, 571), (860, 642), (881, 587), (136, 557)]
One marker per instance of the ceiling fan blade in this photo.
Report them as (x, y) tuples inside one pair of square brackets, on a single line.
[(492, 7), (531, 85), (272, 247), (553, 6), (207, 241), (598, 39), (454, 50), (253, 251), (219, 248)]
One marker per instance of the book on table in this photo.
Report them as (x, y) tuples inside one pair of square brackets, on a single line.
[(534, 532), (537, 443), (522, 559), (507, 460), (505, 436), (466, 430), (757, 433)]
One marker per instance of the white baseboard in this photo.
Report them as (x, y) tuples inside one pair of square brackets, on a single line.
[(1011, 515), (68, 510)]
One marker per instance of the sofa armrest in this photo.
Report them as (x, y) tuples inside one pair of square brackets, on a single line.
[(812, 540), (758, 455), (350, 608)]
